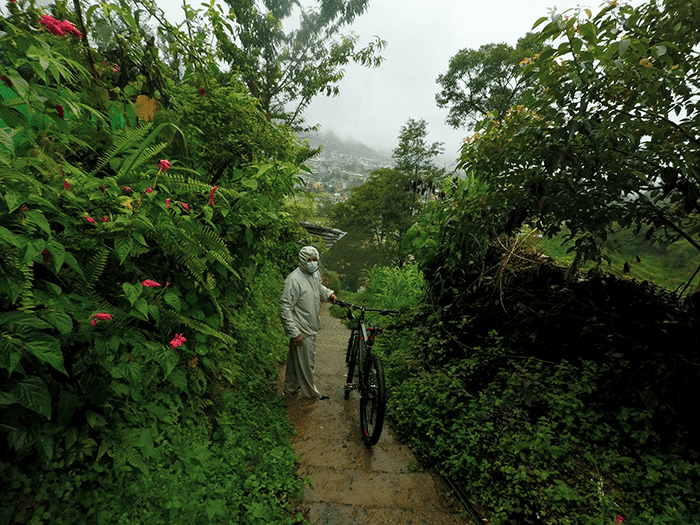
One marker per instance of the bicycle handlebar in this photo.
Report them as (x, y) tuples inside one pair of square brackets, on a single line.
[(382, 311)]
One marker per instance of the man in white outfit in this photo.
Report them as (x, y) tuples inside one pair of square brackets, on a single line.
[(300, 307)]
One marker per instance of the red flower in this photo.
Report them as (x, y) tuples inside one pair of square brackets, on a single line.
[(46, 254), (619, 519), (101, 316), (211, 195), (149, 190), (150, 284), (177, 341), (66, 185), (90, 220), (105, 219), (126, 188), (185, 206), (167, 202), (59, 28), (68, 27), (54, 26), (60, 110), (164, 165), (201, 91), (6, 80)]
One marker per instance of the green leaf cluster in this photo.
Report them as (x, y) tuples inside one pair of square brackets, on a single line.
[(137, 339)]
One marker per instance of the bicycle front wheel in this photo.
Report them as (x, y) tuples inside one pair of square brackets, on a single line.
[(353, 360), (372, 401)]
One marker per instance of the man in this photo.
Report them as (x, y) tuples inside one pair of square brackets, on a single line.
[(300, 307)]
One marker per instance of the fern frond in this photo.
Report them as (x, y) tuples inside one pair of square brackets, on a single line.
[(94, 268), (125, 141), (137, 158), (26, 296), (204, 329)]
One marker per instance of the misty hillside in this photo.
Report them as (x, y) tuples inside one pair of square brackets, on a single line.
[(333, 144)]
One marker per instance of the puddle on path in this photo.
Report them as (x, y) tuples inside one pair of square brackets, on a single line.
[(353, 484)]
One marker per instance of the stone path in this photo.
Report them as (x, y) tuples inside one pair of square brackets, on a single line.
[(353, 484)]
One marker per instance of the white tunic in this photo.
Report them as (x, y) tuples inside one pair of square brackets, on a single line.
[(300, 304)]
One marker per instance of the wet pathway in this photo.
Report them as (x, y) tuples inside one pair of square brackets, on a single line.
[(353, 484)]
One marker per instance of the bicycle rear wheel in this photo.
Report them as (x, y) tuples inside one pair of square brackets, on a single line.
[(372, 401), (353, 360)]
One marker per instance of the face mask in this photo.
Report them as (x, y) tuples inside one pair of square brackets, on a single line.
[(312, 266)]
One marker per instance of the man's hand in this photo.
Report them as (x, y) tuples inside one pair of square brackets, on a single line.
[(298, 340)]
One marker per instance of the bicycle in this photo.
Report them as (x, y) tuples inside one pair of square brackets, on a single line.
[(370, 374)]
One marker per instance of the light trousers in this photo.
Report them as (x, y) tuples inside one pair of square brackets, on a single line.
[(300, 368)]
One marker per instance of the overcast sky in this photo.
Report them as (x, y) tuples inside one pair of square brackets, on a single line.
[(422, 36)]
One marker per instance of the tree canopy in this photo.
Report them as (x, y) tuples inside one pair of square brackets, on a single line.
[(606, 134), (479, 81), (286, 69)]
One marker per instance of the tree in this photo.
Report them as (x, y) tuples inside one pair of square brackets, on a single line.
[(607, 132), (376, 216), (415, 157), (285, 70), (479, 81)]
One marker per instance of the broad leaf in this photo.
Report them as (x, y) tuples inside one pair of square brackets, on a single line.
[(32, 393)]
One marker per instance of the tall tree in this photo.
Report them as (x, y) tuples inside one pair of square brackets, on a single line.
[(484, 80), (415, 158), (286, 69), (607, 133)]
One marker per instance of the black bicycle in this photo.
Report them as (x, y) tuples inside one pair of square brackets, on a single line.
[(370, 373)]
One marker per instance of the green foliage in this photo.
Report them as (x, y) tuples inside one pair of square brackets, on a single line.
[(415, 157), (528, 442), (670, 266), (286, 70), (484, 80), (605, 134), (134, 289), (376, 216)]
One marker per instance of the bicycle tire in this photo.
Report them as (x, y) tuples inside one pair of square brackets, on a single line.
[(372, 401), (357, 349), (351, 346)]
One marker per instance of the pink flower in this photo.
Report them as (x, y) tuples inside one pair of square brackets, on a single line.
[(101, 316), (54, 26), (126, 188), (167, 202), (90, 220), (185, 206), (60, 110), (150, 284), (104, 218), (619, 519), (68, 27), (177, 341), (59, 28), (6, 81), (164, 165), (66, 185), (149, 190), (211, 195)]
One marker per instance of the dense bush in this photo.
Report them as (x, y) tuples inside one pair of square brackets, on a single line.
[(537, 434), (137, 338)]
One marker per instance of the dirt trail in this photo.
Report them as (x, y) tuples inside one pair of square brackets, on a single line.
[(353, 484)]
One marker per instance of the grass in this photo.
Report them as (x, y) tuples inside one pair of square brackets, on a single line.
[(669, 266)]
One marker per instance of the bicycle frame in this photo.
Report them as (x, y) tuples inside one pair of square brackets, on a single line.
[(366, 334)]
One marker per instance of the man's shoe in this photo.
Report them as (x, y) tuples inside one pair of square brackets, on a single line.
[(324, 398)]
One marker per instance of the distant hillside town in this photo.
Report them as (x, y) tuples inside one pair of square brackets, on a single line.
[(341, 165)]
